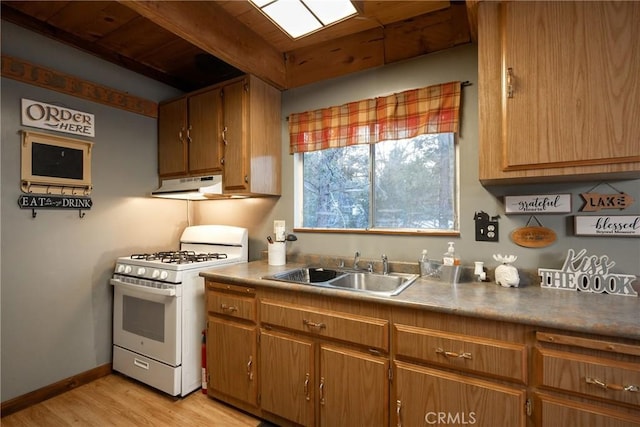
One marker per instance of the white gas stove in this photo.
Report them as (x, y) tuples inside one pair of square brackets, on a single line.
[(159, 306)]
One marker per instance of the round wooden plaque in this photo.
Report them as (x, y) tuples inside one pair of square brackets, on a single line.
[(533, 237)]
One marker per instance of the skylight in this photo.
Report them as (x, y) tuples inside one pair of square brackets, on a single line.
[(299, 18)]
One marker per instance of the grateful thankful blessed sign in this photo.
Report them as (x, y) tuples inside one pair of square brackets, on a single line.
[(607, 225), (540, 203), (581, 272)]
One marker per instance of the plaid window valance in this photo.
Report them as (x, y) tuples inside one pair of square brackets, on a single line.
[(433, 109)]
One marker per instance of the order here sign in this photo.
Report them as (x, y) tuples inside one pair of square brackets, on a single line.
[(54, 117)]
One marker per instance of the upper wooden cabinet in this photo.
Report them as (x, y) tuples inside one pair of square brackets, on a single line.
[(559, 91), (232, 128), (189, 135), (252, 137)]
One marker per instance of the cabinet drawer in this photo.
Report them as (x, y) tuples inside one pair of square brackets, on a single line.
[(589, 375), (367, 331), (483, 355), (237, 306), (556, 411)]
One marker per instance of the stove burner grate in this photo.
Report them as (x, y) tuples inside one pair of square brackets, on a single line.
[(179, 257)]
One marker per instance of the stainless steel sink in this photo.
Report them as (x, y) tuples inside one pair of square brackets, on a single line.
[(391, 284), (306, 275), (373, 283)]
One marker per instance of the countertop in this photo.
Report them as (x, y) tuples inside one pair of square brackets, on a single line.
[(601, 314)]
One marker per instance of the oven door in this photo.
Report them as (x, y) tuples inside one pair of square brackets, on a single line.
[(147, 321)]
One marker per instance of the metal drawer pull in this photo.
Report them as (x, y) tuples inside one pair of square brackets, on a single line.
[(313, 324), (322, 390), (463, 355), (226, 307), (398, 415), (510, 82), (618, 387), (249, 370), (306, 387)]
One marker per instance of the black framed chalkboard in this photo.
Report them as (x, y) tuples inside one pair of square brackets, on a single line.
[(56, 161), (54, 164)]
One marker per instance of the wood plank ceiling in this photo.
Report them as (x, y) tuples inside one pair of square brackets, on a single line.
[(193, 44)]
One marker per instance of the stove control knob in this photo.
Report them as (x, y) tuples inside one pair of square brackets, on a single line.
[(120, 268), (163, 275), (155, 274), (127, 269), (141, 271)]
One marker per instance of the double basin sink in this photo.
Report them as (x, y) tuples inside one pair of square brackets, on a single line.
[(354, 280)]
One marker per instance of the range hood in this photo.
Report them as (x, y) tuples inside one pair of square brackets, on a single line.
[(190, 188)]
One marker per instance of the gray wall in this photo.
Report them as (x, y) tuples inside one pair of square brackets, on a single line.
[(55, 293), (453, 64)]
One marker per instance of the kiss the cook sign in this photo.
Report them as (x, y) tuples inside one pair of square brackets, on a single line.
[(588, 273)]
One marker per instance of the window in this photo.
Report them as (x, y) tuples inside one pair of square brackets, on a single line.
[(359, 173), (405, 185)]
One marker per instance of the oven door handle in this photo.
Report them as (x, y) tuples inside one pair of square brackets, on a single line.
[(145, 289)]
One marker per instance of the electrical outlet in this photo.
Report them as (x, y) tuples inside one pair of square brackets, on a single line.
[(486, 228)]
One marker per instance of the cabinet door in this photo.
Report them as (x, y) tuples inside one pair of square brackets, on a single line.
[(551, 411), (575, 90), (236, 154), (204, 132), (576, 87), (353, 388), (427, 396), (287, 377), (172, 135), (231, 359)]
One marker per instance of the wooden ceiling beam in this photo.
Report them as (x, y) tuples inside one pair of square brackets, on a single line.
[(212, 29), (335, 58), (19, 18), (394, 42)]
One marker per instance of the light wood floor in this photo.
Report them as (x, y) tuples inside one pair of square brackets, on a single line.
[(115, 400)]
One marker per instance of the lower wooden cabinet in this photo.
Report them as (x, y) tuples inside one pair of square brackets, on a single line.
[(232, 344), (353, 388), (349, 388), (300, 359), (308, 379), (426, 396), (585, 381), (288, 381), (232, 359)]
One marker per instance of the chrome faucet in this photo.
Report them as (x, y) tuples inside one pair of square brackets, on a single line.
[(356, 259), (385, 264)]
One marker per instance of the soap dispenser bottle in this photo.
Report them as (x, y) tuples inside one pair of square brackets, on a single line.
[(424, 263), (449, 257)]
